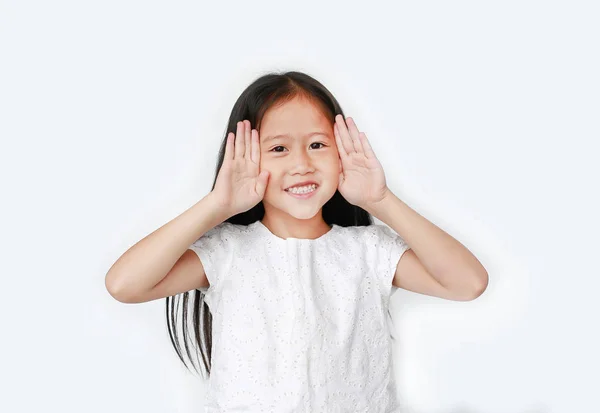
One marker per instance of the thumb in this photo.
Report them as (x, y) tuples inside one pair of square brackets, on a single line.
[(261, 184), (341, 179)]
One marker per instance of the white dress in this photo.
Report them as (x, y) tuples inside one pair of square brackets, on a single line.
[(300, 325)]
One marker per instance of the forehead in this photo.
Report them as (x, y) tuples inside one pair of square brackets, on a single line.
[(296, 117)]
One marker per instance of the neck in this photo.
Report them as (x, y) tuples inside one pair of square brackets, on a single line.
[(288, 226)]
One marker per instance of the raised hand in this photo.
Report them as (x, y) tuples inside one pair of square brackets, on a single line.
[(362, 181), (239, 185)]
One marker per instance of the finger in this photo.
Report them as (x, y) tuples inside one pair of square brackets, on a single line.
[(255, 155), (353, 132), (338, 142), (229, 147), (239, 141), (366, 146), (247, 134), (261, 184), (343, 133)]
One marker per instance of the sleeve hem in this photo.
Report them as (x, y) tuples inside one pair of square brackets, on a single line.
[(208, 269), (395, 247), (213, 250)]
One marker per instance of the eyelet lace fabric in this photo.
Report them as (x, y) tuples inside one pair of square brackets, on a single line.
[(299, 325)]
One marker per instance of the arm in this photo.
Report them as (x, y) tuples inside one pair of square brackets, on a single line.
[(438, 264), (146, 263)]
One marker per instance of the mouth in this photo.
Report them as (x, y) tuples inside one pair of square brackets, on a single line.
[(302, 192)]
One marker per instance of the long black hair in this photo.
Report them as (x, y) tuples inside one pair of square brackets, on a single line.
[(263, 93)]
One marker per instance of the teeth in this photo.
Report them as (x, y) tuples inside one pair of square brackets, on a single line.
[(302, 189)]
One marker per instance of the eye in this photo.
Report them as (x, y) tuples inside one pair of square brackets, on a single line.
[(314, 143)]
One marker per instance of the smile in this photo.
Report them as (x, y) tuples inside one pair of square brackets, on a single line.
[(302, 192)]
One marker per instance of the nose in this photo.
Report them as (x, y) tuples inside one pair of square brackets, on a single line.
[(301, 162)]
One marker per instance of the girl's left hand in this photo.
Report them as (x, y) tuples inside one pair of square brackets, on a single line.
[(362, 181)]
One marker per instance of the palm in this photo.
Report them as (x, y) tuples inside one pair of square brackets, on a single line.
[(245, 183), (362, 180), (240, 184)]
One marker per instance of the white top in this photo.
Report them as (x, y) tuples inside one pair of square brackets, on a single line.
[(300, 325)]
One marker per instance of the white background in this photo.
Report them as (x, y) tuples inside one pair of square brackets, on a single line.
[(485, 116)]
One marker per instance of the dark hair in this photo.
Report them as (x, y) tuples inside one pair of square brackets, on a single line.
[(265, 92)]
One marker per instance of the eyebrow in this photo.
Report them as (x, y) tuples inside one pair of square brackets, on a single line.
[(269, 138)]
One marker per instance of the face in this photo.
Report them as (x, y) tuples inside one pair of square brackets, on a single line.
[(293, 154)]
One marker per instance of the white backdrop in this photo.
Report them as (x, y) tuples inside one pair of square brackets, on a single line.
[(485, 116)]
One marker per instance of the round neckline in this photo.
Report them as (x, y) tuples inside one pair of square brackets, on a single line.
[(268, 232)]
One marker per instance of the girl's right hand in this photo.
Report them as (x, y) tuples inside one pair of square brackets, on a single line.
[(239, 185)]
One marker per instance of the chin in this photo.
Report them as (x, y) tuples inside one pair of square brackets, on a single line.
[(298, 214), (296, 210)]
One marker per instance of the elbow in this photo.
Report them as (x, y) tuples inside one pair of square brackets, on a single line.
[(468, 284), (480, 284), (113, 286)]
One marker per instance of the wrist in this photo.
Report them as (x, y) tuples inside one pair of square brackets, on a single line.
[(375, 208), (218, 208)]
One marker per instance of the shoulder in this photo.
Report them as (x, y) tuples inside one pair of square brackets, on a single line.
[(223, 233), (371, 232), (375, 238)]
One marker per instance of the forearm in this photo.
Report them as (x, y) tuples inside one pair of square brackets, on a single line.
[(147, 262), (446, 259)]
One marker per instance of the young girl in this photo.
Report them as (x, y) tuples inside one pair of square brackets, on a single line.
[(291, 278)]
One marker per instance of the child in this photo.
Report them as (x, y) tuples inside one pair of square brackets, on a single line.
[(291, 278)]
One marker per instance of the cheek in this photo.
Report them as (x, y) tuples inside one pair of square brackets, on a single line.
[(273, 175), (335, 164), (263, 165)]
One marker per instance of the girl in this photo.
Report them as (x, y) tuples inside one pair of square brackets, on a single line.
[(291, 278)]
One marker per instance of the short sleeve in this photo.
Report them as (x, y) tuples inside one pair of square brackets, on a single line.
[(215, 250), (388, 249)]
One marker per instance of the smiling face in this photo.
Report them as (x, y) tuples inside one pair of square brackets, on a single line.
[(297, 145)]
